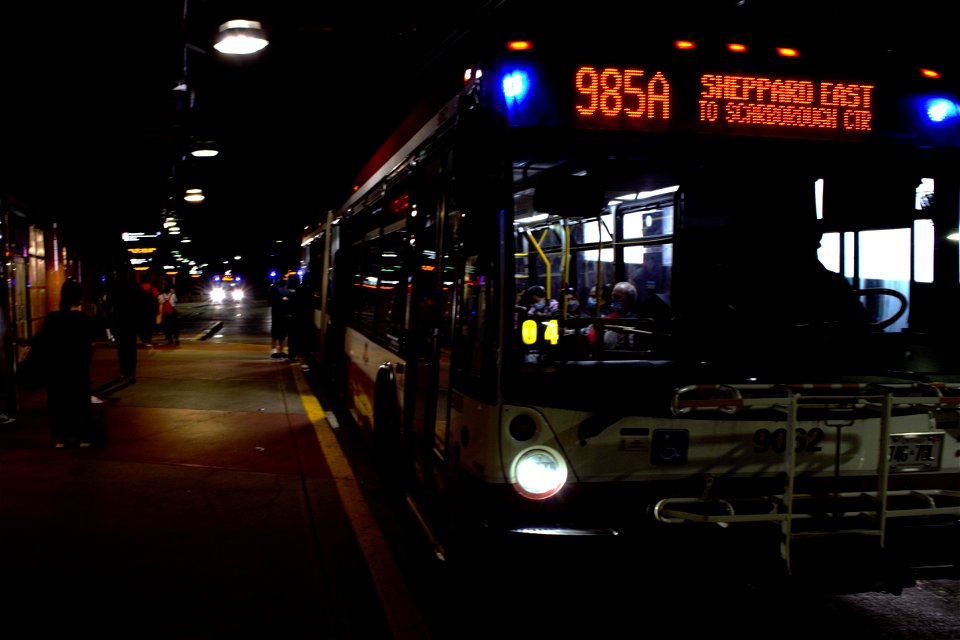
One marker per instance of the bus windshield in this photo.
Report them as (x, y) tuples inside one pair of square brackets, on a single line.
[(732, 272)]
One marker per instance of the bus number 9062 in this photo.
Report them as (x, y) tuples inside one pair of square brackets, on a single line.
[(765, 440)]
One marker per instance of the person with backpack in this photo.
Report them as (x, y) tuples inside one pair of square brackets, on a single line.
[(169, 318)]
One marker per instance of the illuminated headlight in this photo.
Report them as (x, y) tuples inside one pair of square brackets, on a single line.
[(237, 295), (217, 294), (539, 473)]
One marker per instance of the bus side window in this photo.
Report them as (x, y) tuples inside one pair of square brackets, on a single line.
[(391, 286)]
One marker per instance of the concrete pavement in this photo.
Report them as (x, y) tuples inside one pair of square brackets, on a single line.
[(219, 507)]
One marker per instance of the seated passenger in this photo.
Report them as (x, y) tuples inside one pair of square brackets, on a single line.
[(537, 304), (572, 302), (598, 303), (623, 299)]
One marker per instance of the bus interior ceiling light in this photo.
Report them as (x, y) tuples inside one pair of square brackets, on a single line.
[(241, 37)]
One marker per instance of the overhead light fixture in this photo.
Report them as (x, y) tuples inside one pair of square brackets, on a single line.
[(203, 147), (241, 37), (194, 195)]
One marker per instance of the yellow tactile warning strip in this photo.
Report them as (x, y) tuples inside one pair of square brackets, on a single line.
[(402, 613)]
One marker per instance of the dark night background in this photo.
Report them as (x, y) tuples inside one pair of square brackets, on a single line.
[(95, 136)]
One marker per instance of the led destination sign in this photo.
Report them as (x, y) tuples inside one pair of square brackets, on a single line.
[(756, 105)]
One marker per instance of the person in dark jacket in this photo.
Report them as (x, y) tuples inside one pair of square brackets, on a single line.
[(66, 343), (301, 309), (279, 297), (125, 301)]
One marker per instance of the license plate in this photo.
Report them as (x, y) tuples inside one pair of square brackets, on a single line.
[(915, 451)]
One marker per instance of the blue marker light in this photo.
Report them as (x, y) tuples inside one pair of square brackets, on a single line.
[(941, 110), (526, 100), (516, 86)]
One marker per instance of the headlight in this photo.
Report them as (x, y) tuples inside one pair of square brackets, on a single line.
[(237, 295), (539, 473), (217, 295)]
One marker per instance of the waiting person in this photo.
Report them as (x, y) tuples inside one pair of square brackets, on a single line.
[(301, 309), (148, 313), (169, 316), (126, 314), (279, 297), (66, 344)]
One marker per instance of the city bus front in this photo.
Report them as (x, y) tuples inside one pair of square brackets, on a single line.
[(775, 382)]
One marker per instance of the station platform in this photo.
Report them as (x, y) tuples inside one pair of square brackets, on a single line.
[(218, 507)]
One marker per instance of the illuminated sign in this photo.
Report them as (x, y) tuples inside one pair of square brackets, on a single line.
[(141, 249), (781, 102), (615, 93), (647, 99), (529, 331)]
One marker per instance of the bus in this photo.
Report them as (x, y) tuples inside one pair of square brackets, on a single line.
[(777, 394)]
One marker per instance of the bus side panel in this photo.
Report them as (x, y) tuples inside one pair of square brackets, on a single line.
[(364, 358), (475, 460)]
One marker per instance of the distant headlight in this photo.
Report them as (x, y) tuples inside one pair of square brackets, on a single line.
[(539, 473), (217, 295)]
